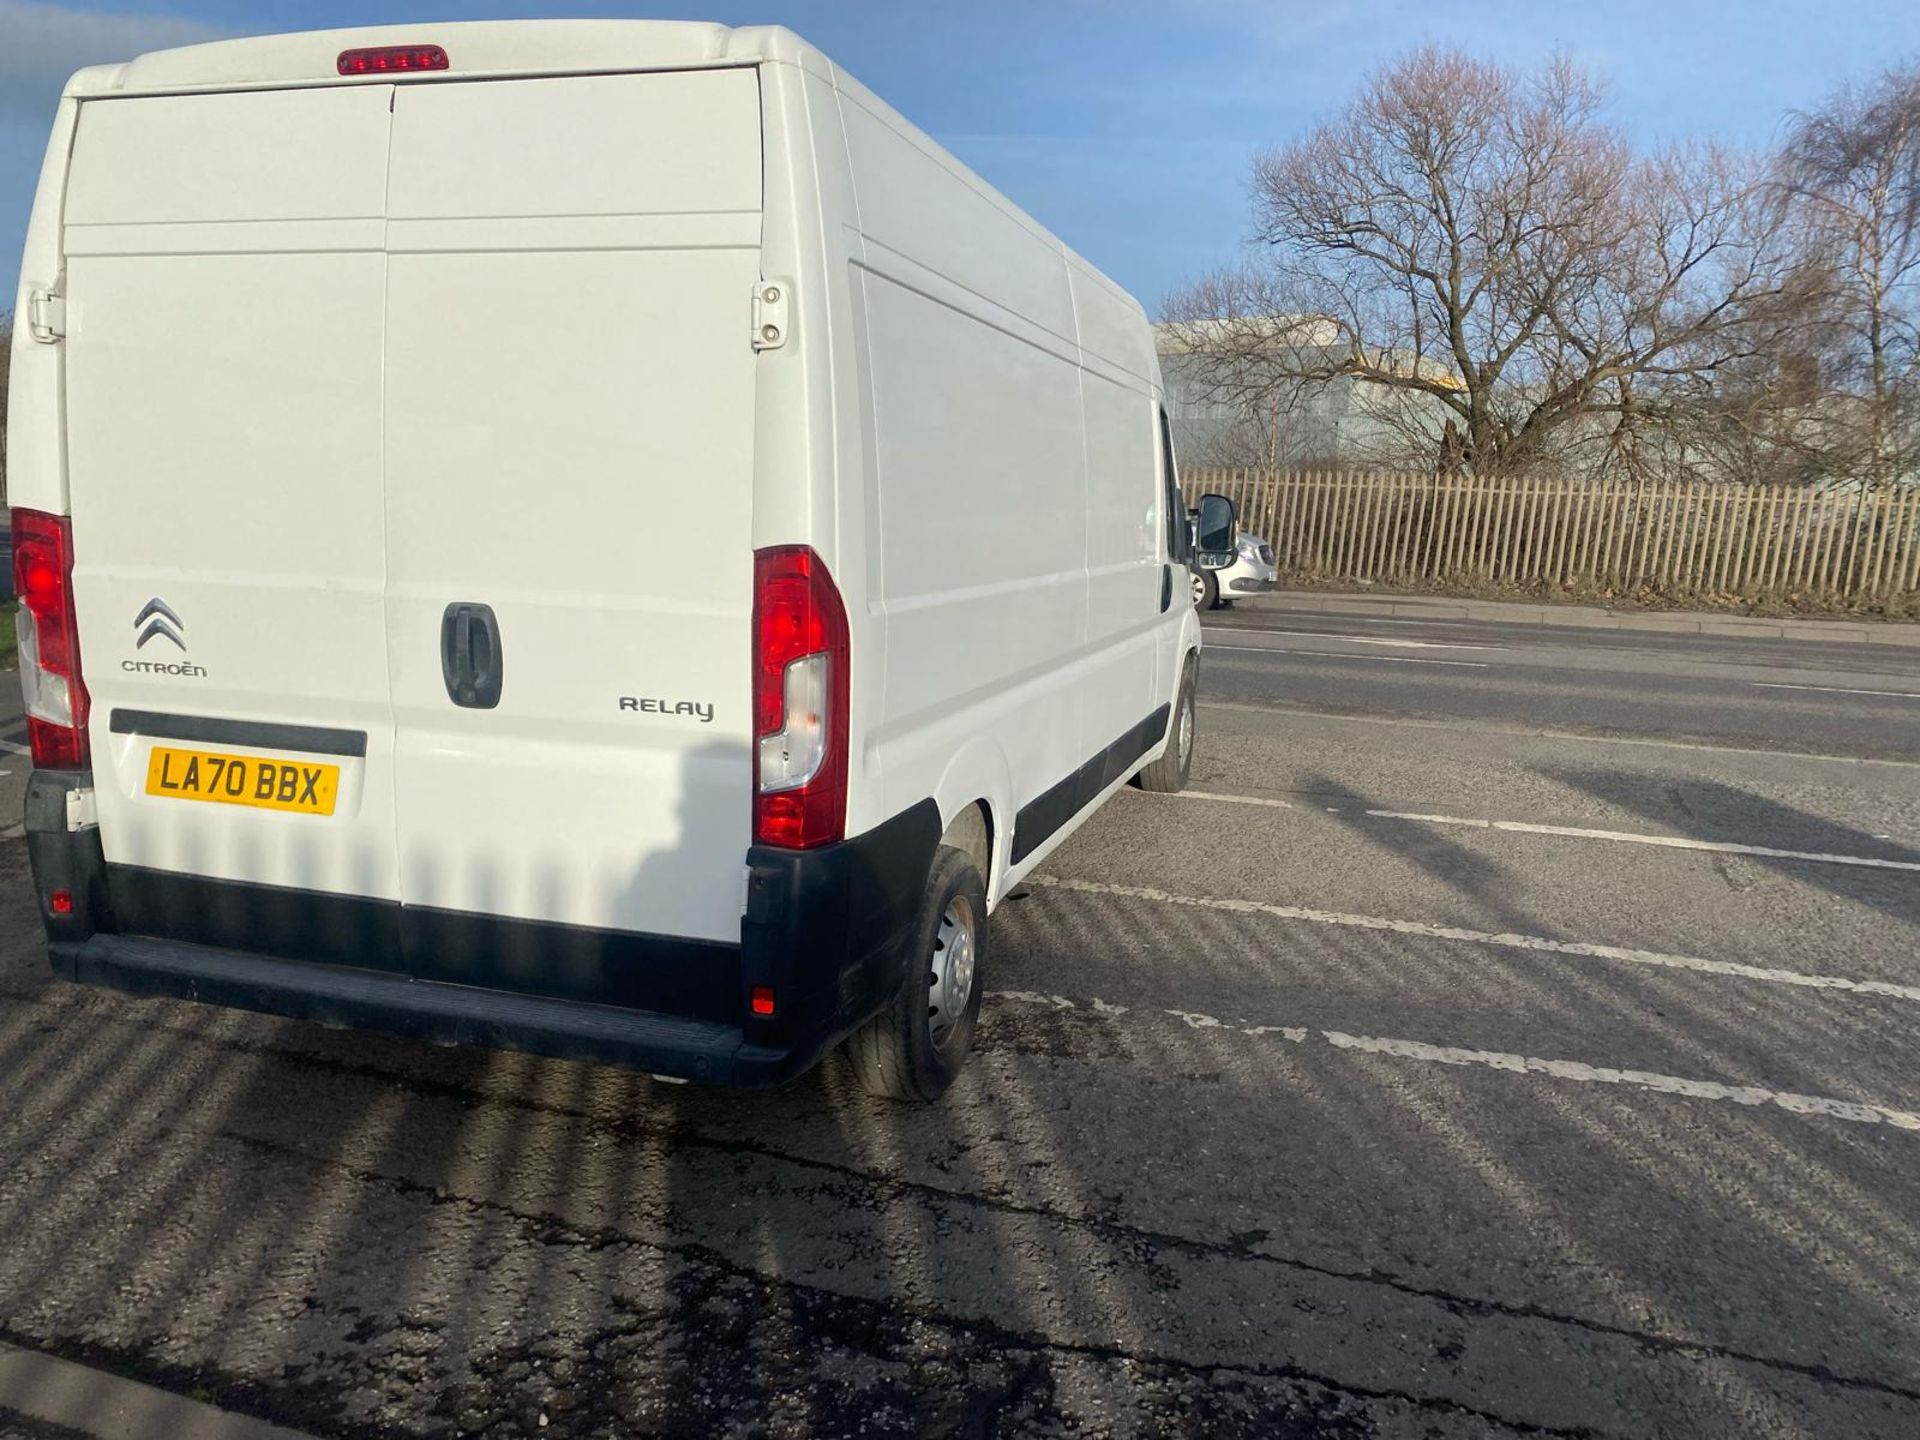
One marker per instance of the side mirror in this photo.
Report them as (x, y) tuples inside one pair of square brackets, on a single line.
[(1214, 532)]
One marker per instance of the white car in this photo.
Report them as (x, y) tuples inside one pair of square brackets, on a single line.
[(1250, 572)]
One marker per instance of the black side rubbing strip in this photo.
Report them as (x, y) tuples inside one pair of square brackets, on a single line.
[(260, 735), (1040, 817)]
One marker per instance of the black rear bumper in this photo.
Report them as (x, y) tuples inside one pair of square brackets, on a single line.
[(825, 929), (427, 1010)]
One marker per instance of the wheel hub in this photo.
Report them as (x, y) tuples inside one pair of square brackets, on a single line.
[(950, 977)]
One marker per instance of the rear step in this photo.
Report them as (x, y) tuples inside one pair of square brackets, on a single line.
[(443, 1014)]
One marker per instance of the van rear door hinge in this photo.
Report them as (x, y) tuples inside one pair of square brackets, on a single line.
[(46, 316), (770, 314)]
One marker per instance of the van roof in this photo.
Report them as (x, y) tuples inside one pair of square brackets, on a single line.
[(475, 48)]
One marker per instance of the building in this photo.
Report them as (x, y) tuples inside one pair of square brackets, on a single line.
[(1343, 421)]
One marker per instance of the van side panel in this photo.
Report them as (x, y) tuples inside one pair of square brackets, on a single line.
[(1126, 581), (1131, 593), (1113, 330), (569, 416), (979, 466), (1017, 517)]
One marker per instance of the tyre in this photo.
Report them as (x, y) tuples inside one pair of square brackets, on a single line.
[(913, 1049), (1168, 774), (1206, 590)]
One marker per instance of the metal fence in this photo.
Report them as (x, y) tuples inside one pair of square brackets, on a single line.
[(1699, 538)]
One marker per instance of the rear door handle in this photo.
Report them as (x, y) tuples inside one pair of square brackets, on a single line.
[(470, 655)]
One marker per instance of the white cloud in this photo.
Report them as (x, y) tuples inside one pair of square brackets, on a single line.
[(42, 44)]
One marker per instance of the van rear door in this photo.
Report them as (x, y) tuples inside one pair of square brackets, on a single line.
[(569, 423), (226, 284)]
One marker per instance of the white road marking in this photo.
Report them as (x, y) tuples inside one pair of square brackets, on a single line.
[(7, 747), (1353, 639), (1576, 1070), (1233, 799), (1835, 690), (1480, 727), (1537, 944), (1198, 1022), (1034, 997), (1638, 1079), (1330, 655), (1669, 842)]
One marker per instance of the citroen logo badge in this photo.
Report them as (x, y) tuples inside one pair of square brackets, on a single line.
[(156, 619)]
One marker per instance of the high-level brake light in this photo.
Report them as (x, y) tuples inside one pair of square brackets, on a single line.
[(392, 60), (800, 668), (48, 640)]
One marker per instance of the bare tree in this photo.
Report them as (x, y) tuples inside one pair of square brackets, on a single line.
[(1482, 241), (1852, 169)]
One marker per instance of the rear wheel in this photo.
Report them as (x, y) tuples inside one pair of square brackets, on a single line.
[(1206, 590), (1168, 774), (913, 1049)]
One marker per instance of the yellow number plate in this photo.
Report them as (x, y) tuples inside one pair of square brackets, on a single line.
[(302, 786)]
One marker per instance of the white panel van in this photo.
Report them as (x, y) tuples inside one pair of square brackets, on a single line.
[(593, 538)]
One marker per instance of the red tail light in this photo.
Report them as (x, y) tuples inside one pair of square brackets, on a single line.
[(392, 60), (49, 641), (800, 663)]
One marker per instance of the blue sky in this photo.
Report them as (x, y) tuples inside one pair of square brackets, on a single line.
[(1126, 126)]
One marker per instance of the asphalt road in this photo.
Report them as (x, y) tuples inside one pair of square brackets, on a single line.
[(1848, 699), (1395, 1082)]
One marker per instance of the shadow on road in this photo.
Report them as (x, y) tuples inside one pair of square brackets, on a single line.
[(1180, 1229), (1704, 809), (1487, 882)]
